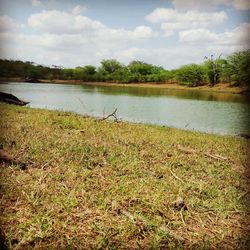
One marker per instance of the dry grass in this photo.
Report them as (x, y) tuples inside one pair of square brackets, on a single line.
[(103, 185)]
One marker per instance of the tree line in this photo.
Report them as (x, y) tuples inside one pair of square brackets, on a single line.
[(234, 70)]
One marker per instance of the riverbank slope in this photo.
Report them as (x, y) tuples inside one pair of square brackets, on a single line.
[(103, 184)]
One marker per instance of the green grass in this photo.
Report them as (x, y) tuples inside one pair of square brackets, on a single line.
[(94, 184)]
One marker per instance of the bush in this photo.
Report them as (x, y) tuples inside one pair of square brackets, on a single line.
[(191, 74)]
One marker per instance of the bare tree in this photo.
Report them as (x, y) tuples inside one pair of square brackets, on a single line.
[(215, 69)]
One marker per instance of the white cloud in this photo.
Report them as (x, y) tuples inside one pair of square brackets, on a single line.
[(204, 4), (68, 38), (122, 35), (197, 36), (56, 22), (241, 4), (78, 10), (72, 39), (8, 24), (238, 37), (193, 45), (197, 5), (171, 19), (36, 3), (167, 57)]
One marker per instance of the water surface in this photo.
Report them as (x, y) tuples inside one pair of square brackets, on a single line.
[(186, 109)]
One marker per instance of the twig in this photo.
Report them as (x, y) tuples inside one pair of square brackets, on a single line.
[(129, 215), (192, 151), (182, 218), (175, 176), (216, 157), (244, 194), (172, 234), (186, 150), (110, 115)]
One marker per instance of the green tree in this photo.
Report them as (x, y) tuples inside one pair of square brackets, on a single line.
[(238, 67), (89, 70), (33, 74), (68, 74), (142, 68), (79, 73), (191, 74), (111, 65)]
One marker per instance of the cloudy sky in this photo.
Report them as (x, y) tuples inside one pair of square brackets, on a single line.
[(168, 33)]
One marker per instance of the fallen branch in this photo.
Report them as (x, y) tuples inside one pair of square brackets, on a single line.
[(172, 234), (192, 151), (175, 176), (244, 194), (129, 215), (216, 157), (186, 150), (113, 114), (182, 217)]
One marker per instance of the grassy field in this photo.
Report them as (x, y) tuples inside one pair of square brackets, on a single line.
[(92, 184)]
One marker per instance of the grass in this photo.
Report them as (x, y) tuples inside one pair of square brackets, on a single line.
[(93, 184)]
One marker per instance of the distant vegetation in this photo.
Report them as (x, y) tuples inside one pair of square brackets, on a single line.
[(234, 70)]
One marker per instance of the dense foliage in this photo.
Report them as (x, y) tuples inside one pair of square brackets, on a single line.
[(192, 74), (234, 69)]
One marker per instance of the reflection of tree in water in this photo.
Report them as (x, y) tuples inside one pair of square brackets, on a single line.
[(177, 93)]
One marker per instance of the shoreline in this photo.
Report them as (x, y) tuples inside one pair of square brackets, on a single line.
[(219, 88), (120, 120)]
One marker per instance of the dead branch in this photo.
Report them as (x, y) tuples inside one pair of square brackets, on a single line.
[(216, 157), (182, 217), (175, 176), (129, 215), (186, 150), (172, 234), (192, 151), (113, 114)]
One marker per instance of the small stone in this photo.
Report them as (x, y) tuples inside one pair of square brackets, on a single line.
[(114, 205), (179, 204)]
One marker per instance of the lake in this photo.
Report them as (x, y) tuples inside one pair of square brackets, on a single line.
[(210, 112)]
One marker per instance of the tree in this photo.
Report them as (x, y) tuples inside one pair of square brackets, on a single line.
[(192, 74), (213, 69), (79, 73), (33, 74), (110, 65), (89, 70), (238, 65), (142, 68), (68, 74)]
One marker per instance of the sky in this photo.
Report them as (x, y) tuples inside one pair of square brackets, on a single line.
[(168, 33)]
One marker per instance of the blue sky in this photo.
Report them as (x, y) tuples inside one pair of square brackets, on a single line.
[(79, 32)]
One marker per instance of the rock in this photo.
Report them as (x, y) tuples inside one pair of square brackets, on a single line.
[(246, 136), (8, 159), (179, 204), (11, 99)]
